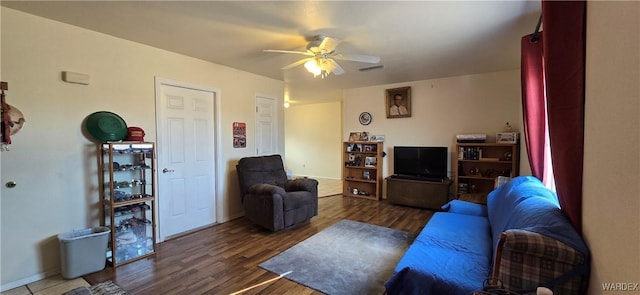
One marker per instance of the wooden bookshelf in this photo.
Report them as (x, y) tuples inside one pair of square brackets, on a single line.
[(362, 169)]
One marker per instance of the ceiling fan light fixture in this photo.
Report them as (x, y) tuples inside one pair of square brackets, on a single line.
[(321, 57), (313, 67), (318, 67)]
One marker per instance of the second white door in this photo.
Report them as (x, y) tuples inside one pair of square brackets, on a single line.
[(186, 158), (266, 126)]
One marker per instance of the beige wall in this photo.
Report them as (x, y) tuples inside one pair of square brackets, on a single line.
[(313, 141), (54, 164), (611, 199), (441, 108)]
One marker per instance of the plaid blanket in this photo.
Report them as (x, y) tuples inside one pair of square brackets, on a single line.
[(525, 260)]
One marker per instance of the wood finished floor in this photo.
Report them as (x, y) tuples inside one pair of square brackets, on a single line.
[(224, 258)]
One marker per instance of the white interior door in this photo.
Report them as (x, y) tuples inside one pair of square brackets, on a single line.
[(266, 126), (186, 158)]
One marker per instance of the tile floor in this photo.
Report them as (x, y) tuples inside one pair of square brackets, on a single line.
[(55, 285), (329, 186)]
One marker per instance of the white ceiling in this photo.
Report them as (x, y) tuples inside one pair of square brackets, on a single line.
[(416, 40)]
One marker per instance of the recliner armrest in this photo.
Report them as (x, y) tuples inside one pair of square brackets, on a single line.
[(302, 184), (266, 189)]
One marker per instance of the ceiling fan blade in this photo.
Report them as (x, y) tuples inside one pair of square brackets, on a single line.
[(329, 44), (336, 69), (357, 57), (289, 51), (297, 63)]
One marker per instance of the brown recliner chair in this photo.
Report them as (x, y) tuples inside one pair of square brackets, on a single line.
[(270, 199)]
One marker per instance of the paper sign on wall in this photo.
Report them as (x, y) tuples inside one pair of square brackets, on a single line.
[(239, 135)]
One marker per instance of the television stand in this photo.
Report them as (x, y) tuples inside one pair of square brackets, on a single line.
[(418, 193), (421, 178)]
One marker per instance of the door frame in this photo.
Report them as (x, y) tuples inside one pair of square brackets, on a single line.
[(219, 202)]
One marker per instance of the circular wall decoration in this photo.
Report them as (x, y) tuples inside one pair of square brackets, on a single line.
[(365, 118)]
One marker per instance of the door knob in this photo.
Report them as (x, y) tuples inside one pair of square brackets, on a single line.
[(165, 170)]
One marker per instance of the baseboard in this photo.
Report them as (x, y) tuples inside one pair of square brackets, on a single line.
[(233, 216), (28, 280), (332, 195), (314, 176)]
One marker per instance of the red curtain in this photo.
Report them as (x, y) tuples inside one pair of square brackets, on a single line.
[(564, 69), (533, 101)]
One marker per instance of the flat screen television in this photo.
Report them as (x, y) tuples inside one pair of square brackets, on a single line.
[(420, 162)]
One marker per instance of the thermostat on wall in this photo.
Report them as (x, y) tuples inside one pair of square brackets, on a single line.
[(77, 78)]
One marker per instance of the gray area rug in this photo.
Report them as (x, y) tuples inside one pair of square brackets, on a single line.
[(349, 257)]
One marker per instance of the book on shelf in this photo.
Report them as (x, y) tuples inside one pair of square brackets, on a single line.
[(469, 153)]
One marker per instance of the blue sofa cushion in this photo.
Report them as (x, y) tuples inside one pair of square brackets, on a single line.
[(452, 255), (502, 201), (463, 207), (543, 215)]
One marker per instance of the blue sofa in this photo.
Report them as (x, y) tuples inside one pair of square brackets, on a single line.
[(520, 240)]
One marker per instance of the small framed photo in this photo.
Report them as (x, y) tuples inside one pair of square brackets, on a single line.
[(377, 138), (354, 136), (370, 161), (507, 137), (366, 175), (368, 148), (398, 101), (364, 136)]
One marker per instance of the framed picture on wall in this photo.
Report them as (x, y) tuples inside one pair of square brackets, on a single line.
[(398, 102)]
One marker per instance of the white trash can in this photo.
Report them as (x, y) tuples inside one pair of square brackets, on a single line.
[(83, 251)]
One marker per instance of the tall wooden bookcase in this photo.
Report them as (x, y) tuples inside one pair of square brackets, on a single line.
[(362, 172), (478, 164)]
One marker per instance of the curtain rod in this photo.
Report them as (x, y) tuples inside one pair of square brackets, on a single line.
[(534, 36)]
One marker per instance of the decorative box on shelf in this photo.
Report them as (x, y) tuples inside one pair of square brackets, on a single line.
[(471, 138), (506, 137)]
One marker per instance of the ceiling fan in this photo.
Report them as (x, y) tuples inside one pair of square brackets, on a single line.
[(322, 55)]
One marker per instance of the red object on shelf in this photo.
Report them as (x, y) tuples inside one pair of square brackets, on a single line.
[(135, 134)]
